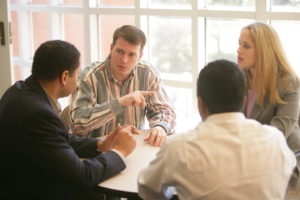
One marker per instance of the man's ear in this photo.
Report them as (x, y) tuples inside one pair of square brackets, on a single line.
[(245, 100), (111, 48), (64, 77), (141, 54), (202, 109)]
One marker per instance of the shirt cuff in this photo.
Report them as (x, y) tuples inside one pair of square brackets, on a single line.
[(164, 126), (119, 153)]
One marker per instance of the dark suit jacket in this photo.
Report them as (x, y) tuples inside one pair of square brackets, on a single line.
[(39, 159)]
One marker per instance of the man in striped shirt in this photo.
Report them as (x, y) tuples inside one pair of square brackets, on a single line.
[(121, 90)]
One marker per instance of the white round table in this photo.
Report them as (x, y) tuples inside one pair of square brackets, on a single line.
[(124, 184)]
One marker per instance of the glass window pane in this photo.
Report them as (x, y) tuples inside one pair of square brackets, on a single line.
[(39, 1), (15, 33), (166, 4), (21, 72), (72, 2), (182, 100), (107, 26), (229, 4), (284, 5), (17, 73), (40, 28), (74, 33), (290, 40), (115, 3), (222, 38), (170, 45)]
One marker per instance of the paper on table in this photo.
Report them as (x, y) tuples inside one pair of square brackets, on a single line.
[(136, 161)]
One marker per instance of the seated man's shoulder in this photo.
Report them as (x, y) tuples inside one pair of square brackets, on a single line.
[(91, 69), (265, 128), (145, 68), (24, 97), (144, 65), (274, 131)]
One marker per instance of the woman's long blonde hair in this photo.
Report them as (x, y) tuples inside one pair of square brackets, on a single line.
[(271, 67)]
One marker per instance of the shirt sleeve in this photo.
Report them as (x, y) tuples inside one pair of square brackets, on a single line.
[(159, 110), (85, 113), (154, 181), (287, 114)]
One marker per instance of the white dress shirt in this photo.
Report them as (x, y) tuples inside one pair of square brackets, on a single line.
[(225, 157)]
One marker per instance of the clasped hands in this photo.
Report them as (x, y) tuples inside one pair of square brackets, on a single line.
[(120, 139)]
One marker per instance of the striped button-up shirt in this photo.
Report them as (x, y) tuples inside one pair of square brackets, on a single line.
[(95, 109)]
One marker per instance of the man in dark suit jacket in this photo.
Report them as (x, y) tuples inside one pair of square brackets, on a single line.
[(39, 159)]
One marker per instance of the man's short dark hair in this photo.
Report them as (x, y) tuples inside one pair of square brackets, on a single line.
[(131, 34), (222, 86), (54, 57)]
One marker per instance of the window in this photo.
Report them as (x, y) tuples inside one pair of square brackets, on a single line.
[(222, 36), (170, 46), (285, 5), (107, 25), (289, 39), (229, 5), (182, 35)]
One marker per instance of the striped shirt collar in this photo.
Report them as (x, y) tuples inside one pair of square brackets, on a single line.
[(54, 104)]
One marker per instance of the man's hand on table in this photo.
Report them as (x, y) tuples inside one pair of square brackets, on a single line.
[(120, 139), (156, 136)]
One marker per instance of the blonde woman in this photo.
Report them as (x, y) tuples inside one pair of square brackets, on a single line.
[(273, 87)]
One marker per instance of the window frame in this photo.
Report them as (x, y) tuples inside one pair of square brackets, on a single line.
[(261, 13)]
